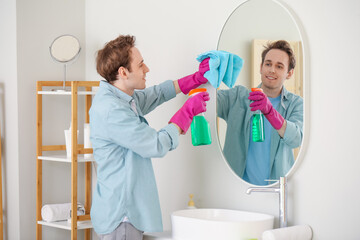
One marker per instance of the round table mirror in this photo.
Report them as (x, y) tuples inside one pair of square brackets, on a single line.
[(65, 49)]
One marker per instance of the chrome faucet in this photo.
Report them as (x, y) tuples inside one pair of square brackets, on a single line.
[(282, 191)]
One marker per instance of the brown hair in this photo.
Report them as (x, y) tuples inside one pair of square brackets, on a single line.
[(281, 45), (114, 55)]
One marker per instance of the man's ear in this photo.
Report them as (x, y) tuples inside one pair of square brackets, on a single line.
[(290, 73), (123, 73)]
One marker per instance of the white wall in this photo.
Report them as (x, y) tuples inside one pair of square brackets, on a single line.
[(27, 29), (9, 119), (170, 35), (38, 24)]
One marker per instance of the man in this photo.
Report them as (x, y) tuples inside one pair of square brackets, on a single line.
[(256, 162), (125, 202)]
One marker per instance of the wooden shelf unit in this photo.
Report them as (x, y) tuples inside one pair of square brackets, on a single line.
[(44, 153)]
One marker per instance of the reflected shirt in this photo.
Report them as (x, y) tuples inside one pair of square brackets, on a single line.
[(233, 107), (123, 145), (257, 168)]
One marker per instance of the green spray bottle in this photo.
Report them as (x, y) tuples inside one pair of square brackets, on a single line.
[(200, 128)]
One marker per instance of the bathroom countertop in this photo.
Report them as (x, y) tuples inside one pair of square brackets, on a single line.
[(158, 236)]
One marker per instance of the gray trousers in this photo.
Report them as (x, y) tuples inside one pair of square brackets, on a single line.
[(125, 231)]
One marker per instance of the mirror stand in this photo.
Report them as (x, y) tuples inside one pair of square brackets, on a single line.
[(64, 80)]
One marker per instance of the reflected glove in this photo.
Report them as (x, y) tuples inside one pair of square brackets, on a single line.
[(196, 79), (262, 103), (193, 106)]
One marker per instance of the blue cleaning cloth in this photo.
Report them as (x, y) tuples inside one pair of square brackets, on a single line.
[(224, 67)]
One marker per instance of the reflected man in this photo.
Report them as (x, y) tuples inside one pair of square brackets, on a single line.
[(257, 161)]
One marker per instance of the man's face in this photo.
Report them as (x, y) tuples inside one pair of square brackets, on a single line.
[(136, 78), (274, 70)]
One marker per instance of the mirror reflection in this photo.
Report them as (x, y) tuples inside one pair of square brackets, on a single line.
[(261, 131)]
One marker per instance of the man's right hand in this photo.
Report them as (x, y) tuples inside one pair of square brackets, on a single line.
[(192, 107)]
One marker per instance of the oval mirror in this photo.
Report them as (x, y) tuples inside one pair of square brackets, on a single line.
[(65, 49), (252, 26)]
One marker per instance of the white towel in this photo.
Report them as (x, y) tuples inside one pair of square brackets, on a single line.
[(59, 212), (300, 232)]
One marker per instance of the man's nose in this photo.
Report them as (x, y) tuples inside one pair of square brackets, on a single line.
[(146, 68)]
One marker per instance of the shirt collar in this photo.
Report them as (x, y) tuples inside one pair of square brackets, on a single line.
[(284, 96), (117, 92)]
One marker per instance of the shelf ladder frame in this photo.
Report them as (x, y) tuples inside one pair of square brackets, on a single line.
[(76, 149)]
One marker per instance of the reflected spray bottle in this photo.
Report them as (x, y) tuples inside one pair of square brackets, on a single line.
[(257, 125)]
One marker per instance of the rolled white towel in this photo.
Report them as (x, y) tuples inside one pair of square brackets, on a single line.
[(59, 212), (300, 232)]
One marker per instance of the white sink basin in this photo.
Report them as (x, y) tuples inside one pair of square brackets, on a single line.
[(217, 224)]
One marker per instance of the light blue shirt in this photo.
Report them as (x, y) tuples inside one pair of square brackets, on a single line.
[(257, 168), (233, 107), (123, 144)]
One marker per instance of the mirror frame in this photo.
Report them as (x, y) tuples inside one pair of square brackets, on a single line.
[(306, 93), (72, 58)]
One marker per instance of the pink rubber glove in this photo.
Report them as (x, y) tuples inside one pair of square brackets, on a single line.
[(192, 107), (262, 103), (196, 79)]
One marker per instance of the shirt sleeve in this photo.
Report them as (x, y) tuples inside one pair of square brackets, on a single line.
[(234, 99), (127, 130), (223, 103), (149, 98), (294, 125)]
